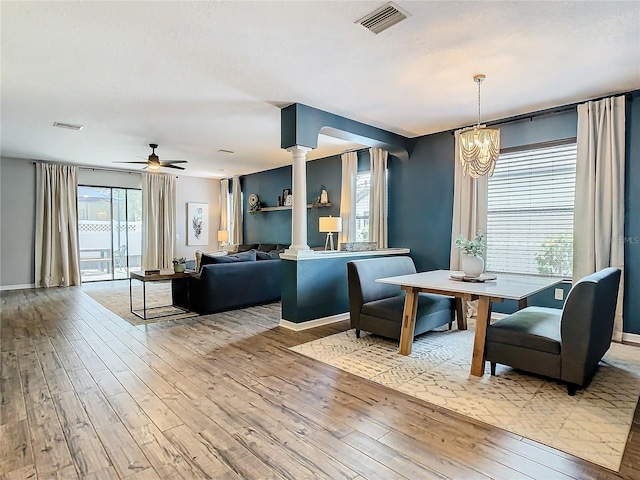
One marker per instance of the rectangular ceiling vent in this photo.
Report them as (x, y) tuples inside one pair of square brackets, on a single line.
[(70, 126), (384, 17)]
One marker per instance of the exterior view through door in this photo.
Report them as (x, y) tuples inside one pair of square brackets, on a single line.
[(110, 232)]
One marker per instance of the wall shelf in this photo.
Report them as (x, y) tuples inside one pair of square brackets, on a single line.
[(310, 205)]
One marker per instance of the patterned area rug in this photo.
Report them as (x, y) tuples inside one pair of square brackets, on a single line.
[(593, 425), (116, 299)]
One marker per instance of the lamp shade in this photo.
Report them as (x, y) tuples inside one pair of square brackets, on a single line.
[(330, 224), (223, 235)]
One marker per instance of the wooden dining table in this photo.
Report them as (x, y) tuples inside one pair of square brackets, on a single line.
[(504, 286)]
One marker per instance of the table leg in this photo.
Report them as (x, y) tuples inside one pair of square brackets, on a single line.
[(408, 321), (482, 322), (461, 313), (130, 296), (523, 303)]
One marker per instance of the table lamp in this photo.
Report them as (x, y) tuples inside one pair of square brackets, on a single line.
[(330, 225), (223, 237)]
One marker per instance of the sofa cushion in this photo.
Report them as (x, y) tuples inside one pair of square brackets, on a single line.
[(249, 256), (393, 307), (199, 254), (247, 247), (266, 247), (534, 328)]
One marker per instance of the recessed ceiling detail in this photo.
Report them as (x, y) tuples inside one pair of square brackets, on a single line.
[(70, 126), (382, 18)]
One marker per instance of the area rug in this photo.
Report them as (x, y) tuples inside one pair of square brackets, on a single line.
[(158, 296), (593, 425)]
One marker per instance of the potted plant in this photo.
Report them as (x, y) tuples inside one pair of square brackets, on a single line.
[(472, 261), (179, 264)]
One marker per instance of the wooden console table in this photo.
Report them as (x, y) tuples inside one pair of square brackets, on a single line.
[(162, 276)]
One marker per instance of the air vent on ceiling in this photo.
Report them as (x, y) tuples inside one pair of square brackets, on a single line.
[(384, 17), (70, 126), (225, 151)]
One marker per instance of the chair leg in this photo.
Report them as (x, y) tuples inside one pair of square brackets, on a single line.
[(357, 333), (493, 369), (571, 389), (450, 324)]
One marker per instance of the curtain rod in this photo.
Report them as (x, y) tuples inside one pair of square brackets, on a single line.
[(355, 150), (104, 169), (550, 111)]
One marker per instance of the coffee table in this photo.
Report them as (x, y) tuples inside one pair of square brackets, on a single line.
[(164, 275), (505, 286)]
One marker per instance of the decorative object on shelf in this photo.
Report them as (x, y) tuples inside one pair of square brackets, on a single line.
[(223, 237), (197, 224), (479, 145), (358, 246), (288, 201), (286, 193), (321, 199), (179, 264), (254, 205), (329, 225), (279, 201), (472, 262)]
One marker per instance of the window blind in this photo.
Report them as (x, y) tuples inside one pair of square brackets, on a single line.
[(530, 211)]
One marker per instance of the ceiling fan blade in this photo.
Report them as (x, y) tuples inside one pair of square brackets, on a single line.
[(174, 161), (173, 166), (141, 163)]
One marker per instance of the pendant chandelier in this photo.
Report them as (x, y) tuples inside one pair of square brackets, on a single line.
[(479, 145)]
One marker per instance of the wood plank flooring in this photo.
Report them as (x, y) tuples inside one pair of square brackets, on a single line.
[(87, 395)]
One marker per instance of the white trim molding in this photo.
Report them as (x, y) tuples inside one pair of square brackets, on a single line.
[(633, 338), (318, 322), (17, 287)]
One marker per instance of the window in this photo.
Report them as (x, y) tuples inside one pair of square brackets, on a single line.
[(530, 210), (363, 189)]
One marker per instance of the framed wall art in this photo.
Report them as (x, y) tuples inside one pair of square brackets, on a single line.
[(197, 224)]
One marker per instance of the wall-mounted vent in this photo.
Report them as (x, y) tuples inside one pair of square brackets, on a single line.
[(384, 17), (225, 151), (70, 126)]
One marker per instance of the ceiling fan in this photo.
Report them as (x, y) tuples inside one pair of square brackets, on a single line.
[(154, 163)]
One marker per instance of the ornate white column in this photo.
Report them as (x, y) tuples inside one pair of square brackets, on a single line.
[(299, 210)]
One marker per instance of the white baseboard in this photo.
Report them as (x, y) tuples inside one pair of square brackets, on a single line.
[(17, 287), (318, 322), (631, 338)]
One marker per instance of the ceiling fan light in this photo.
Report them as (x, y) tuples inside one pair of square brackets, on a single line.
[(153, 166)]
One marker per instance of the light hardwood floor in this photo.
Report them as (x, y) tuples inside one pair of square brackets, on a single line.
[(87, 395)]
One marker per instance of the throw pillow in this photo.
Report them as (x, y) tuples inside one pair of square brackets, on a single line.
[(199, 254), (272, 255), (247, 247), (249, 256), (266, 247)]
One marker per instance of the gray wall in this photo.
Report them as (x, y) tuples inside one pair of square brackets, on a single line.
[(199, 190), (17, 221)]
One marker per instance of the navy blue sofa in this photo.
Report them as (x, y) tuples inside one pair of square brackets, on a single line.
[(229, 286)]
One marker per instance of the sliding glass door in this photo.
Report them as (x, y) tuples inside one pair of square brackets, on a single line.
[(110, 232)]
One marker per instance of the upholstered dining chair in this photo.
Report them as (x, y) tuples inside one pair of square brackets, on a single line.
[(378, 307), (563, 344)]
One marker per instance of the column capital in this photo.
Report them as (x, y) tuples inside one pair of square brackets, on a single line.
[(299, 149)]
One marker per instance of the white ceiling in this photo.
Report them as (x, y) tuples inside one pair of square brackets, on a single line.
[(197, 77)]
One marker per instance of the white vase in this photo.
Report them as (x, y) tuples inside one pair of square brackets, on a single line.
[(472, 265)]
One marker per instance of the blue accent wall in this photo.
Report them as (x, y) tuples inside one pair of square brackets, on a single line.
[(632, 218), (275, 226)]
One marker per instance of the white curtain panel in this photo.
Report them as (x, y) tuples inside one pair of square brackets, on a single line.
[(348, 197), (378, 197), (224, 205), (236, 212), (57, 255), (598, 232), (158, 220), (469, 206)]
